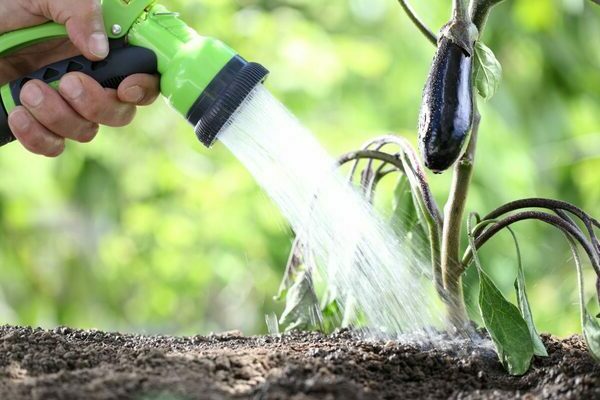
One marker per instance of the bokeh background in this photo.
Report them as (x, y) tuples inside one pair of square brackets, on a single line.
[(144, 230)]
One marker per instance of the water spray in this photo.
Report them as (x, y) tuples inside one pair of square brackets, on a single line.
[(201, 78)]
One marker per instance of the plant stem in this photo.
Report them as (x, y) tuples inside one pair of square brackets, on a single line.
[(460, 10), (452, 267), (480, 10), (418, 23), (451, 233)]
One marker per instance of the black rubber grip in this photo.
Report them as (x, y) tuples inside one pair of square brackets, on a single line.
[(110, 72)]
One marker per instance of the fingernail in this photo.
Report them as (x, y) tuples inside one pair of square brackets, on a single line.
[(71, 87), (98, 44), (31, 95), (134, 94), (20, 120)]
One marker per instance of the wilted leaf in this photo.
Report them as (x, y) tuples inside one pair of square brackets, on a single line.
[(538, 346), (507, 328), (301, 305), (487, 71), (404, 212), (591, 334), (406, 216), (589, 325)]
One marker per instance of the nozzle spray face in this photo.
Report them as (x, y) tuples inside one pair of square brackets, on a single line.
[(223, 96)]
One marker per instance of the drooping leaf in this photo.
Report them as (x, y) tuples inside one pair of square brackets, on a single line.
[(292, 269), (404, 212), (487, 71), (407, 219), (502, 319), (506, 326), (301, 305), (538, 346), (589, 325), (591, 334), (330, 310)]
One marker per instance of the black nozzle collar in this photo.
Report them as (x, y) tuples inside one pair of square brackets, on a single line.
[(223, 96)]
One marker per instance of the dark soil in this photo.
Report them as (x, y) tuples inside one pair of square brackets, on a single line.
[(72, 364)]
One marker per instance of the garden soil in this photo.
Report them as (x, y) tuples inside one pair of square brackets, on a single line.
[(74, 364)]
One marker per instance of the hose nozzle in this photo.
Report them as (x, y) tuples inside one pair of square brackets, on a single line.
[(223, 96)]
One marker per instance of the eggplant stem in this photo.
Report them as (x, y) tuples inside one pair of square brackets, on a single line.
[(460, 10)]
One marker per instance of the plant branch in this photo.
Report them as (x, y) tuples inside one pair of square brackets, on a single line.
[(418, 23), (408, 163), (550, 219), (480, 10), (556, 206), (412, 164), (371, 154)]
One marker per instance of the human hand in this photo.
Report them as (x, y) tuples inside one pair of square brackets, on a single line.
[(47, 117)]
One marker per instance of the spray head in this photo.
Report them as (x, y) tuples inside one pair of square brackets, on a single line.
[(223, 96), (201, 78)]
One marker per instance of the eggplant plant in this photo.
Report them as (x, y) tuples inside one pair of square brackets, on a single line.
[(449, 121)]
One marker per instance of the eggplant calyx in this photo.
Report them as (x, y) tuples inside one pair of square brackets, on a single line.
[(462, 33)]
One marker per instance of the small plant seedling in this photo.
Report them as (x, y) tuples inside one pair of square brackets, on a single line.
[(448, 128)]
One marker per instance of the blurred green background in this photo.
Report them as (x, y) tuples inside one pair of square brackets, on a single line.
[(144, 230)]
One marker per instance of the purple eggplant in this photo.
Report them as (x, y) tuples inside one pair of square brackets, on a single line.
[(447, 108)]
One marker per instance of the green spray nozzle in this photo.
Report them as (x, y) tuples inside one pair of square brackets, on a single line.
[(201, 78)]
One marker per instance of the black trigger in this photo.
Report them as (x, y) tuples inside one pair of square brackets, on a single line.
[(50, 74), (74, 66)]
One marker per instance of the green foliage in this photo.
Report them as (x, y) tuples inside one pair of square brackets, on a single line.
[(589, 324), (506, 326), (538, 346), (407, 219), (591, 333), (487, 71), (302, 309)]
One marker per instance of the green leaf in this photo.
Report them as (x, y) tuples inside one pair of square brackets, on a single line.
[(404, 212), (538, 346), (502, 319), (487, 71), (407, 219), (301, 305), (589, 325), (506, 326), (591, 334)]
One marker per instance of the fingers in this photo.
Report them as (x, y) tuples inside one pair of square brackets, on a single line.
[(34, 137), (54, 113), (93, 102), (83, 20), (139, 89), (76, 110)]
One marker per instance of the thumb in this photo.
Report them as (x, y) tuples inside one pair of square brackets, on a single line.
[(84, 23)]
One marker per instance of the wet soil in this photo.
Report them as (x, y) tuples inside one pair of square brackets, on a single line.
[(73, 364)]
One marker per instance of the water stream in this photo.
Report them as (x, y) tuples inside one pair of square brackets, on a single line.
[(345, 240)]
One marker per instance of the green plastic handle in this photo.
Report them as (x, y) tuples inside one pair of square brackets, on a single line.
[(119, 17)]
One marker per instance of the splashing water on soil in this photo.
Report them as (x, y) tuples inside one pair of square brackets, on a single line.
[(344, 239)]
